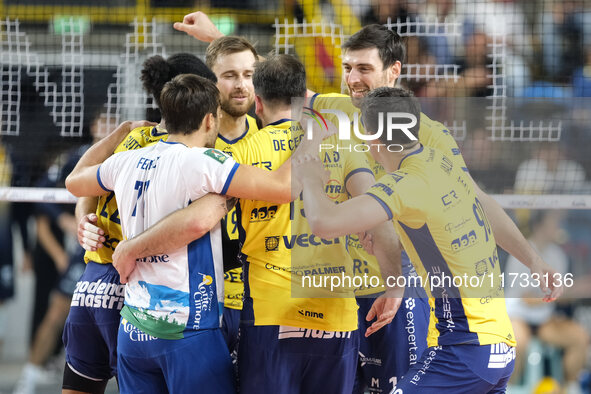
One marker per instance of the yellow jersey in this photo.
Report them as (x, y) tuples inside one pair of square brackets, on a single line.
[(431, 134), (444, 230), (106, 210), (281, 251), (233, 284)]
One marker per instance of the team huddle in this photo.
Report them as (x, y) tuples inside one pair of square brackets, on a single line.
[(206, 225)]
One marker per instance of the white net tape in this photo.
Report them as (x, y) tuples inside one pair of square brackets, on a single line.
[(507, 201)]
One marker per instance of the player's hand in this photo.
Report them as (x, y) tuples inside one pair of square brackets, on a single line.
[(140, 123), (366, 240), (198, 25), (90, 237), (384, 309), (308, 167), (552, 290), (124, 261)]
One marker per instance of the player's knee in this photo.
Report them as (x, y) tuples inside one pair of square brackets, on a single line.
[(76, 383)]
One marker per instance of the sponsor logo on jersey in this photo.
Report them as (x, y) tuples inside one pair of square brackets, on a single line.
[(334, 189), (161, 258), (480, 267), (307, 271), (501, 355), (369, 360), (98, 294), (202, 299), (286, 332), (271, 244), (216, 155), (263, 214), (135, 334), (453, 227), (315, 315), (465, 241)]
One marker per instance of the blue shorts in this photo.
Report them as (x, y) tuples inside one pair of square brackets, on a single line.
[(386, 355), (90, 332), (197, 363), (230, 325), (290, 360), (460, 369)]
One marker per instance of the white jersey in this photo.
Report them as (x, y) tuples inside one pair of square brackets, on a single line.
[(170, 295)]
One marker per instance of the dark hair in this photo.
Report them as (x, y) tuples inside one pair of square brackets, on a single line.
[(279, 78), (157, 71), (227, 45), (389, 44), (186, 100), (382, 100)]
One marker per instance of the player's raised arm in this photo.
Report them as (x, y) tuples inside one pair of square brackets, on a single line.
[(80, 182), (198, 25), (328, 220), (508, 237)]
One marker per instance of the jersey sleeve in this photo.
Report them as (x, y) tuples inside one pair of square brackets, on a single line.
[(435, 135), (396, 194), (107, 172), (215, 168), (355, 162)]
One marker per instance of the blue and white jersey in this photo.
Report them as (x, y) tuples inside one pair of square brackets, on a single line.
[(170, 295)]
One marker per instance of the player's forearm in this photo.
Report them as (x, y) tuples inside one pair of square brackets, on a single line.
[(506, 233), (180, 227), (386, 247), (320, 211), (100, 151), (84, 206)]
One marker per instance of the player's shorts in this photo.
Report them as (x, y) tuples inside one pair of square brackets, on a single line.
[(230, 325), (291, 360), (386, 355), (198, 363), (90, 333), (67, 281), (460, 369)]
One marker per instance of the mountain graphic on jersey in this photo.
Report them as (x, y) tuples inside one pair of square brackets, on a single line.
[(159, 308)]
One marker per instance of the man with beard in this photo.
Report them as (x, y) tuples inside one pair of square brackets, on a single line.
[(232, 60)]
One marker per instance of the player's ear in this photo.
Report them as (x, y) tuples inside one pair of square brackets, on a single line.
[(258, 105), (209, 122), (394, 72)]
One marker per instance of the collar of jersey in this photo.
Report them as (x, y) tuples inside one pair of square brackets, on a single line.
[(235, 140), (172, 142), (411, 154), (158, 131), (278, 122)]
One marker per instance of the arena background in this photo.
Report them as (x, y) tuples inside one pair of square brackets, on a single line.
[(508, 78)]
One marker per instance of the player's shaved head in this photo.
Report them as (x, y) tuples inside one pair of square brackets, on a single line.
[(279, 78), (186, 100)]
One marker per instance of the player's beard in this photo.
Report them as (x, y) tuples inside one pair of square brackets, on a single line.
[(237, 111)]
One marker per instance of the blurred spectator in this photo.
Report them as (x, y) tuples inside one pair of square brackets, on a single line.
[(561, 32), (549, 171), (582, 78), (475, 76), (381, 10), (68, 257), (531, 316), (483, 158)]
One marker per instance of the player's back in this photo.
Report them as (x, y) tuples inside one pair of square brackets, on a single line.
[(107, 211), (269, 237), (169, 294), (444, 230)]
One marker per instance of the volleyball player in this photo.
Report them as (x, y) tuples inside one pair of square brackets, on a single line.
[(90, 333), (471, 342), (170, 338), (372, 58)]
